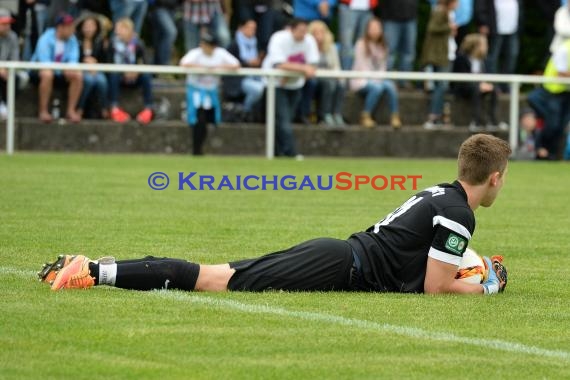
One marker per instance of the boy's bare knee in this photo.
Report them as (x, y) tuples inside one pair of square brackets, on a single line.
[(46, 75), (214, 278)]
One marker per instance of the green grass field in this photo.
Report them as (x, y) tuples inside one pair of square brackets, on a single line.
[(101, 205)]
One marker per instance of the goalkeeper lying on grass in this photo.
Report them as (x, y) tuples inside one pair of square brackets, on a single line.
[(416, 248)]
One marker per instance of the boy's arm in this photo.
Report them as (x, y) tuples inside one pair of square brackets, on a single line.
[(440, 278)]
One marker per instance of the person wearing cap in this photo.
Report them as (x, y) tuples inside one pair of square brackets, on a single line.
[(59, 45), (9, 51), (202, 90)]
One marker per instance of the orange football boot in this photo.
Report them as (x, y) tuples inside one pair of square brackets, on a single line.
[(75, 275)]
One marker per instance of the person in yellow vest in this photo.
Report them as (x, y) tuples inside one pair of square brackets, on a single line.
[(554, 99)]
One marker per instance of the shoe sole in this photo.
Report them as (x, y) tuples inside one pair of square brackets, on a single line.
[(50, 270)]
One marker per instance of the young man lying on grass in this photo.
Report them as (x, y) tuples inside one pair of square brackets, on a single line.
[(417, 248)]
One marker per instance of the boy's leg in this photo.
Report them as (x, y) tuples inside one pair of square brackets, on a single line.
[(200, 132), (45, 89), (316, 265), (79, 272), (75, 80), (148, 273)]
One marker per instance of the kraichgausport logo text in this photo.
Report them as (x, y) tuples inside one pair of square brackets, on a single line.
[(339, 181)]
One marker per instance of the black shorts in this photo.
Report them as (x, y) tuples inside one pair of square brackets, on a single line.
[(323, 264)]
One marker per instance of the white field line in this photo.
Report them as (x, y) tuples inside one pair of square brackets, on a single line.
[(412, 332), (17, 272)]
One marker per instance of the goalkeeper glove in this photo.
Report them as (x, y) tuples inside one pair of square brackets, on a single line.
[(497, 275)]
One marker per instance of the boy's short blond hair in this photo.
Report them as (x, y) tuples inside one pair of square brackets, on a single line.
[(480, 156), (126, 22)]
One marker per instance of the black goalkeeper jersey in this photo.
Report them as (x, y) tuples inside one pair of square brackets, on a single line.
[(436, 222)]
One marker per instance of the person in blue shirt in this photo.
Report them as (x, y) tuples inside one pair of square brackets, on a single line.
[(59, 44)]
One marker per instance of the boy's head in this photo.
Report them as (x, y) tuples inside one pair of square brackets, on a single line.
[(528, 120), (248, 28), (298, 29), (125, 29), (475, 45), (65, 26), (483, 159), (208, 43)]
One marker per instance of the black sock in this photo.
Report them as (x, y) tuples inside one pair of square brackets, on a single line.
[(94, 272), (157, 273)]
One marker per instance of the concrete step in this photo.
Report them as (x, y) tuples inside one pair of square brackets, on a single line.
[(235, 139), (414, 105)]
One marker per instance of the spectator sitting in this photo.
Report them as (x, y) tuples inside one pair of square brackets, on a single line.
[(127, 49), (59, 45), (330, 90), (371, 54), (202, 90), (530, 126), (244, 48), (9, 51), (471, 59), (94, 46), (264, 12)]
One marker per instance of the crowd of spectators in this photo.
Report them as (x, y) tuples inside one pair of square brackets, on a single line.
[(467, 36)]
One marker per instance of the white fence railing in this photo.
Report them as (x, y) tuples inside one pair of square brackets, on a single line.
[(514, 81)]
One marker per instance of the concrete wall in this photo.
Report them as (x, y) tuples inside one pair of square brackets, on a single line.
[(234, 139)]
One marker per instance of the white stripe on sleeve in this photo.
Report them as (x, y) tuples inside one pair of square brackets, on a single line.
[(444, 256), (452, 225)]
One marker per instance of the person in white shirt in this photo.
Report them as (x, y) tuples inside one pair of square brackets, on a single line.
[(202, 90), (292, 49)]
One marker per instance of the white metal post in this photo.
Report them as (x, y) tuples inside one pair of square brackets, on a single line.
[(270, 119), (10, 121), (514, 115)]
